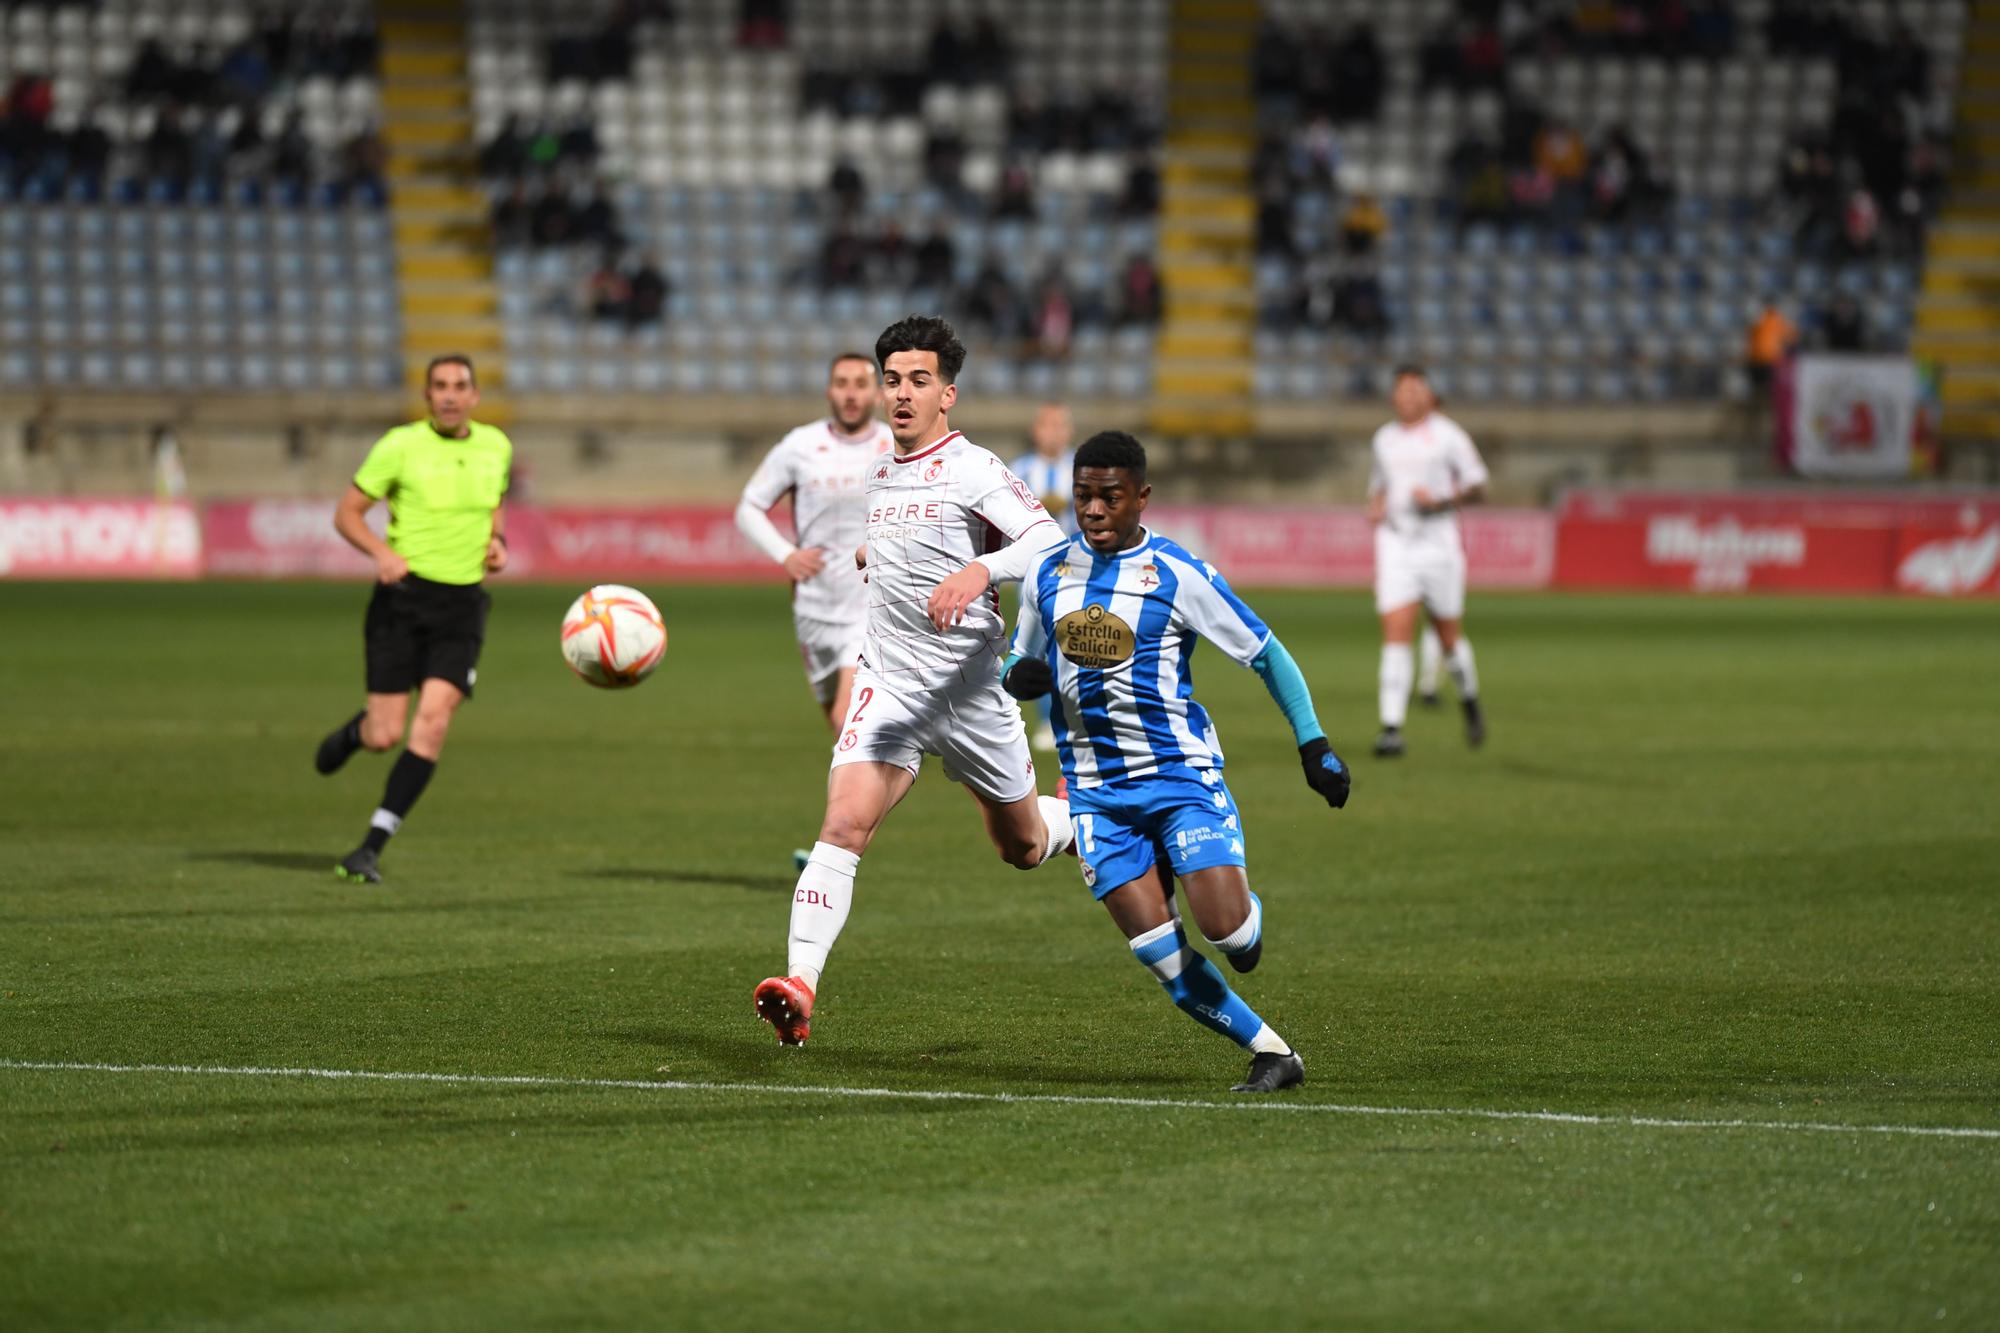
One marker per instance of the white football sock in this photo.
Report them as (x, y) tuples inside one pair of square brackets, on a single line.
[(1395, 683), (1267, 1041), (819, 909), (1430, 656), (1245, 935), (1463, 674), (1055, 814)]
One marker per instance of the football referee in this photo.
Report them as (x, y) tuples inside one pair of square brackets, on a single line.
[(444, 479)]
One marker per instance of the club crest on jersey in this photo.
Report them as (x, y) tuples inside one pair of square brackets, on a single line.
[(934, 469), (1094, 638), (1149, 576)]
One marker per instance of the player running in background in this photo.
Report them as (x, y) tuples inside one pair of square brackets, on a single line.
[(1047, 468), (1109, 623), (1430, 663), (929, 681), (444, 479), (823, 467), (1424, 468)]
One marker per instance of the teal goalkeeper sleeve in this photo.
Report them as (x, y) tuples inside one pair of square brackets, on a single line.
[(1287, 684)]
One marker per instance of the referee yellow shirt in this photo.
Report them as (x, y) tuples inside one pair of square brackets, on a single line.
[(442, 493)]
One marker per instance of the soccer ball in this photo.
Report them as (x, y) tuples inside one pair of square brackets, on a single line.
[(613, 636)]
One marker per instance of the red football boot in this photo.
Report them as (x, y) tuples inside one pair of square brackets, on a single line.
[(786, 1003)]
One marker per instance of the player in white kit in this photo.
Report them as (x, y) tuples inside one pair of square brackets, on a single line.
[(945, 521), (1046, 468), (823, 467), (1424, 468)]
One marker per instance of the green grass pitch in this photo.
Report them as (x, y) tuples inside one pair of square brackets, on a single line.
[(1722, 860)]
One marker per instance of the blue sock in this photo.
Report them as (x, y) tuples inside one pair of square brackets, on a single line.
[(1195, 986)]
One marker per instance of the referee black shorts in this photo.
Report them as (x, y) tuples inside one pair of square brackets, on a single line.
[(418, 630)]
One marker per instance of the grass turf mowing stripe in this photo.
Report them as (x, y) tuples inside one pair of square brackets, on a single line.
[(1009, 1098)]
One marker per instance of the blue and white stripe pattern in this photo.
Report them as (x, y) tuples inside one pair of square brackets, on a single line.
[(1124, 689)]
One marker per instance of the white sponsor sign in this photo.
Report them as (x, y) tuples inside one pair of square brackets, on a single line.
[(1853, 416)]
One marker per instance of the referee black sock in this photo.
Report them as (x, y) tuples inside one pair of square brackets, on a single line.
[(406, 783)]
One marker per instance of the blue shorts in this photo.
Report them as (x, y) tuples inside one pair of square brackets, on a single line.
[(1183, 819)]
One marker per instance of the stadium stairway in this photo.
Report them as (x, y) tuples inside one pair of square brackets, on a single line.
[(1202, 361), (444, 239), (1958, 312)]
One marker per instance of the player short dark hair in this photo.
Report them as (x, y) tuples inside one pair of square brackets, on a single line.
[(451, 359), (1112, 449), (850, 356), (923, 333), (1411, 369)]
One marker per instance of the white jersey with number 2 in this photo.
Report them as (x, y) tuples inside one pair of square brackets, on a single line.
[(929, 513)]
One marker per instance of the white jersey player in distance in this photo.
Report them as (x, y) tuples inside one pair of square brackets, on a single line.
[(823, 467), (945, 521), (1424, 468)]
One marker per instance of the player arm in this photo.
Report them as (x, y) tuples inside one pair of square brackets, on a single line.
[(1468, 474), (350, 520), (1025, 673), (1325, 772), (773, 480)]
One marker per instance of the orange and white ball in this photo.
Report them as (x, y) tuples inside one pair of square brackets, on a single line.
[(613, 636)]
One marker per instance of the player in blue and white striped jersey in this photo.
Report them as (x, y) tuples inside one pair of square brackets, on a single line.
[(1109, 623)]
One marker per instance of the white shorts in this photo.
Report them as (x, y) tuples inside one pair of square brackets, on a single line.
[(827, 648), (1431, 573), (976, 731)]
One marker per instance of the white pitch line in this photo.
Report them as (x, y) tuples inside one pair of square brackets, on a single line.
[(1009, 1098)]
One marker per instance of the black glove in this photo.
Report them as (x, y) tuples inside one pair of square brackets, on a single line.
[(1325, 773), (1029, 678)]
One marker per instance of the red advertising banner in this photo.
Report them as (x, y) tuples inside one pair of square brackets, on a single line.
[(279, 539), (99, 539), (1335, 547), (683, 543), (1938, 545)]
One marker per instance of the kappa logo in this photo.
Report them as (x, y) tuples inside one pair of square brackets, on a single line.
[(881, 474), (1221, 801), (1062, 569), (1208, 777), (1230, 824)]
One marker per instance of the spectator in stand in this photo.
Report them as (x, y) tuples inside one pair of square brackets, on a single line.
[(1362, 226), (208, 152), (1842, 328), (843, 260), (513, 216), (1358, 65), (649, 292), (992, 54), (1055, 314), (554, 220), (1357, 304), (245, 75), (364, 158), (1860, 225), (169, 153), (763, 25), (1771, 340), (847, 187), (608, 295), (1141, 196), (1140, 300), (1711, 29), (577, 144), (1015, 196), (944, 161), (936, 261), (292, 153), (992, 303), (596, 223), (505, 155), (890, 260), (90, 153), (152, 74)]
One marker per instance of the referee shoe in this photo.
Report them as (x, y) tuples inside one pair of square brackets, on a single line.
[(360, 866)]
